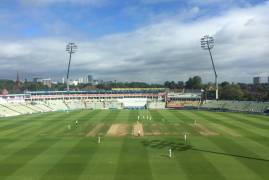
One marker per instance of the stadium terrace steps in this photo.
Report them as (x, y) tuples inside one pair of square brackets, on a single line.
[(6, 112), (14, 109), (42, 107), (181, 104), (57, 105), (33, 107), (156, 105), (242, 106), (11, 109), (30, 107), (75, 104)]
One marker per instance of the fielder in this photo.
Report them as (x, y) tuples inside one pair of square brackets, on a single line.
[(99, 139), (185, 136), (170, 152), (139, 133), (76, 123)]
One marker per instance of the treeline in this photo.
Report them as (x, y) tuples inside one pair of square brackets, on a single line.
[(227, 91)]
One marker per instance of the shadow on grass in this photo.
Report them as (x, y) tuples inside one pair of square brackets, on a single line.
[(160, 144), (182, 146)]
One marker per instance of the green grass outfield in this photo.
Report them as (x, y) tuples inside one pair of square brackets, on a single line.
[(40, 146)]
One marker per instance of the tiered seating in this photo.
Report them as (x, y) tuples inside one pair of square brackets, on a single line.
[(94, 104), (133, 103), (181, 104), (213, 104), (112, 104), (43, 107), (99, 105), (258, 106), (6, 112), (21, 108), (246, 106), (75, 104), (34, 107), (156, 105), (57, 105)]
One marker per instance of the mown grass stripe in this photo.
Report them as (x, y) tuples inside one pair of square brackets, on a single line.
[(108, 120), (72, 165), (196, 167), (230, 148), (173, 124), (246, 141), (186, 128), (103, 163), (245, 120), (7, 123), (36, 123), (82, 117), (24, 121), (44, 161), (13, 162), (133, 162), (155, 116), (246, 157), (163, 167), (241, 148), (254, 135), (23, 141), (226, 164), (263, 118), (260, 119), (50, 122), (248, 128)]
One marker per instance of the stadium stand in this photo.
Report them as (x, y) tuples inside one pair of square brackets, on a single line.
[(6, 112), (75, 104), (241, 106), (34, 108), (156, 105), (36, 102), (42, 106), (184, 100), (57, 105), (133, 103), (183, 104), (20, 108)]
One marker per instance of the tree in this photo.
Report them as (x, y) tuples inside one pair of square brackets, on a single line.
[(194, 83), (231, 92), (224, 84), (180, 84)]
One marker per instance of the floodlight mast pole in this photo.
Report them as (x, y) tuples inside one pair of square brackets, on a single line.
[(216, 76), (70, 48), (207, 43)]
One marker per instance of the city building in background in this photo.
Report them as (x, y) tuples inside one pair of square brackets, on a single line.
[(46, 82), (85, 79), (260, 80)]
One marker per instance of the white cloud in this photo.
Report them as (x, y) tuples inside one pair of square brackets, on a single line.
[(163, 51)]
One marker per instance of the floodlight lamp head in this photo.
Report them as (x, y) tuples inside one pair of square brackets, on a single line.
[(71, 48), (207, 42)]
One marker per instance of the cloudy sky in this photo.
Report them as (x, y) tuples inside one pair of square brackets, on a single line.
[(134, 40)]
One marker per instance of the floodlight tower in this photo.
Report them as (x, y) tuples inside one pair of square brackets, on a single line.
[(70, 48), (207, 43)]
